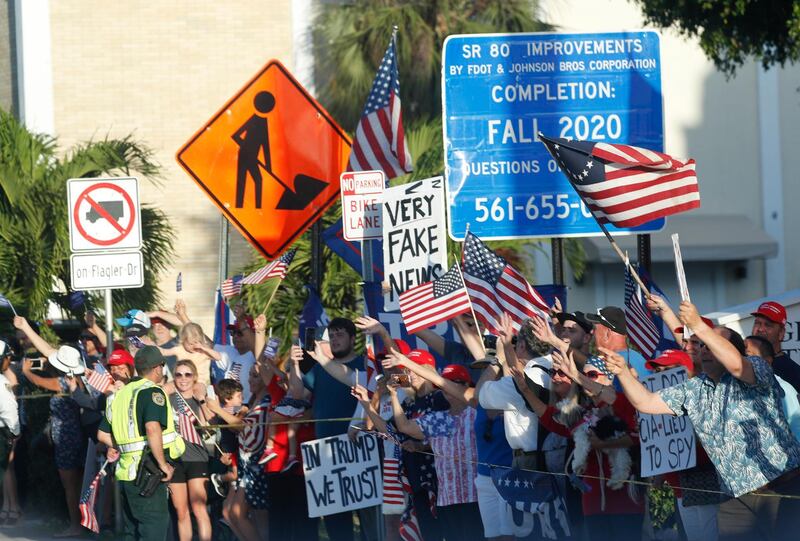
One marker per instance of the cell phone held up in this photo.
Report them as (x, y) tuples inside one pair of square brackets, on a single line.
[(401, 380), (37, 363), (309, 339)]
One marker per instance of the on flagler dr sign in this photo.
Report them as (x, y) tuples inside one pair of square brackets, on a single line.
[(500, 90), (104, 214)]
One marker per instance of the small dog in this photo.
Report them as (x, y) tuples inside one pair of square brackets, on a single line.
[(605, 428)]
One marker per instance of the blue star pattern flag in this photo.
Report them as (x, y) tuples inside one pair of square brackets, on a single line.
[(537, 494), (380, 142), (313, 314), (350, 251), (625, 185), (495, 287), (179, 283)]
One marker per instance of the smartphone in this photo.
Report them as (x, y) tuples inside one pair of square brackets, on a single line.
[(271, 349), (309, 339), (401, 379), (490, 341), (37, 363), (136, 342)]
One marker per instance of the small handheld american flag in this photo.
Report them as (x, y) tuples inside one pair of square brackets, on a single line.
[(232, 286), (430, 303), (186, 421), (87, 501), (100, 379), (179, 283), (274, 269), (642, 329)]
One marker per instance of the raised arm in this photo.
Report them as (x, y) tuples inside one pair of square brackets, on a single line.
[(658, 305), (738, 366), (544, 332), (433, 340), (460, 392), (91, 323), (566, 363), (403, 423), (469, 336), (169, 317), (361, 394), (260, 329), (49, 384), (38, 342), (338, 371), (369, 325), (640, 398)]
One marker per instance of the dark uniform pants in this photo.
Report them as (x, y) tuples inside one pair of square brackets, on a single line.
[(144, 518)]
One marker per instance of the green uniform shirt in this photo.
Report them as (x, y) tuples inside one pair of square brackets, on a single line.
[(151, 405)]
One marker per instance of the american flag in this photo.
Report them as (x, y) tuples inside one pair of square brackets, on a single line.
[(179, 283), (87, 501), (625, 185), (100, 379), (380, 142), (427, 304), (231, 286), (642, 329), (495, 287), (274, 269), (253, 436), (234, 372), (186, 422)]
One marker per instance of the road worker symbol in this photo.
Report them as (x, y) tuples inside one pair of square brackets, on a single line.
[(270, 159), (104, 214)]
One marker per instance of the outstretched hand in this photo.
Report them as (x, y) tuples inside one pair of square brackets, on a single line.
[(689, 316), (614, 361), (505, 332), (360, 393), (563, 361), (368, 325), (394, 359), (260, 323)]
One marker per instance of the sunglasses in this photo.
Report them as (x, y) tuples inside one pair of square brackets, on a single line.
[(237, 332), (183, 375), (592, 375), (560, 373)]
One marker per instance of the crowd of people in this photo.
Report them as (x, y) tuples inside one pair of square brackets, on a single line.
[(556, 397)]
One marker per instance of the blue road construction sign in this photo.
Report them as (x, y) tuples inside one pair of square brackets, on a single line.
[(500, 90)]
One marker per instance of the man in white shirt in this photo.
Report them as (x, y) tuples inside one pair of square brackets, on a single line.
[(521, 424), (236, 361)]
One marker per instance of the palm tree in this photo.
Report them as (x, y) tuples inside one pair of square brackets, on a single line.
[(34, 237), (349, 42)]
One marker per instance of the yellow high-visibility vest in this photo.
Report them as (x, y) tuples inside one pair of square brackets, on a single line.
[(121, 414)]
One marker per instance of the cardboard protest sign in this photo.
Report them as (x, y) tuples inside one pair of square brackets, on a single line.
[(341, 475), (667, 442), (414, 247)]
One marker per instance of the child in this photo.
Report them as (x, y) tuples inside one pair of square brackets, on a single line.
[(229, 392)]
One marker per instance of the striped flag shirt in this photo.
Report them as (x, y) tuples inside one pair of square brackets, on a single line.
[(274, 269), (87, 502), (625, 185), (495, 287), (253, 436), (186, 421), (380, 142), (642, 329), (100, 379), (430, 303), (232, 286)]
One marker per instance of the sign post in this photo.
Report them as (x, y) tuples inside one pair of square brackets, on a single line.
[(500, 90)]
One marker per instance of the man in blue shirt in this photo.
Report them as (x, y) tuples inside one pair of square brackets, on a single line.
[(735, 409)]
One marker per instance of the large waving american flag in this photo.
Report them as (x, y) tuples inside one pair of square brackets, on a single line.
[(642, 329), (495, 287), (430, 303), (625, 185), (274, 269), (380, 142)]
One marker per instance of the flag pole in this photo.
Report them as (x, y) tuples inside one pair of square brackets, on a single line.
[(469, 301), (272, 297), (621, 255)]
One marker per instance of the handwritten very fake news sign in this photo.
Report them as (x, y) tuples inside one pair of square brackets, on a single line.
[(341, 475), (667, 442)]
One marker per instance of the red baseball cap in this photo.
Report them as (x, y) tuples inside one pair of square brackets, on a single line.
[(154, 320), (422, 357), (120, 357), (773, 311), (399, 345), (671, 357), (250, 323), (457, 373), (707, 321)]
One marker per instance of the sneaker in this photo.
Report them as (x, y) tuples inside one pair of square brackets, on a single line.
[(291, 462), (268, 455), (219, 485)]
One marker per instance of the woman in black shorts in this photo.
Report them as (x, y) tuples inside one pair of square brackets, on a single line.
[(188, 485)]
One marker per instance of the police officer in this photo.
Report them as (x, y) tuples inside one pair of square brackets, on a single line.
[(139, 416)]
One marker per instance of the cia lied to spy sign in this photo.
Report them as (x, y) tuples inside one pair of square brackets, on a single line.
[(104, 214)]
